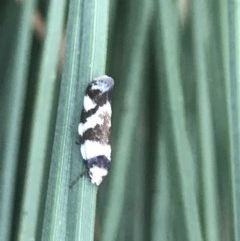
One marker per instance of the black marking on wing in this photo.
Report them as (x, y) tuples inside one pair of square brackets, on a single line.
[(100, 101), (99, 161), (98, 133)]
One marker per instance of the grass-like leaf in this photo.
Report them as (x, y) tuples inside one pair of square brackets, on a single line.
[(12, 94), (41, 130), (205, 121), (183, 155), (70, 213), (132, 76), (230, 41)]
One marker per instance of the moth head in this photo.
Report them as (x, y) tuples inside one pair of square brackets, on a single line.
[(102, 83), (99, 89), (96, 174)]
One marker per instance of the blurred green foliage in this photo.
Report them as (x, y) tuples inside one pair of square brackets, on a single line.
[(175, 126)]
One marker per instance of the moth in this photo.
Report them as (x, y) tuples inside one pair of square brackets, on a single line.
[(94, 128)]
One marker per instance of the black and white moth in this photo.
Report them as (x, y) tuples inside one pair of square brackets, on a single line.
[(94, 128)]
